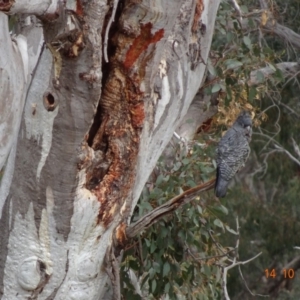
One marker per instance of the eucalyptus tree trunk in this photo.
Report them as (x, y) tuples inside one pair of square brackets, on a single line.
[(90, 94)]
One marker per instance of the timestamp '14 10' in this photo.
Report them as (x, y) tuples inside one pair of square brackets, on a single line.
[(287, 273)]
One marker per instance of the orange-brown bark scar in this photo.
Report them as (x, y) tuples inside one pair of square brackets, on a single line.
[(197, 16), (137, 115), (122, 118), (79, 8), (121, 233), (141, 43)]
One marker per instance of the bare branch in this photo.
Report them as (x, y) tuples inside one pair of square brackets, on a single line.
[(282, 31), (292, 111), (263, 4), (234, 262), (287, 68), (225, 270), (238, 240), (248, 289), (271, 26), (207, 257), (218, 245), (293, 158), (168, 207), (296, 147), (111, 19), (238, 10)]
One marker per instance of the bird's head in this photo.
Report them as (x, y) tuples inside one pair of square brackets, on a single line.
[(244, 120)]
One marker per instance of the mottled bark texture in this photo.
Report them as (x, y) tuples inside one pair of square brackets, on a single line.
[(91, 133)]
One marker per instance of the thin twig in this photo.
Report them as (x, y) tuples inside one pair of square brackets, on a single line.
[(218, 245), (208, 257), (237, 240), (239, 11), (246, 285), (225, 270), (296, 147), (234, 262), (111, 19), (293, 158)]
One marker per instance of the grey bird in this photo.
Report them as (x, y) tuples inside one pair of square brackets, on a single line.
[(233, 151)]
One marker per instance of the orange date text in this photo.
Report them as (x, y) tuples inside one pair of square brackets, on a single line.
[(287, 273)]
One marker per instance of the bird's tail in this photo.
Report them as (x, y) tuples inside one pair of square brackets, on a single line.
[(221, 186)]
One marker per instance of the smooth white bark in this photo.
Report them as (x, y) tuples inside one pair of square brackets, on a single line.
[(13, 75), (34, 7), (18, 58)]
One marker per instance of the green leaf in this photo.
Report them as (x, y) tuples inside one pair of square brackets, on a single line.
[(146, 278), (218, 223), (177, 166), (222, 30), (159, 180), (166, 269), (211, 69), (230, 230), (186, 161), (233, 64), (224, 209), (167, 288), (156, 266), (244, 9), (155, 193), (164, 232), (229, 36), (153, 285), (191, 183), (218, 275), (272, 67), (236, 25), (252, 93), (221, 209), (152, 272), (153, 247), (196, 221), (206, 270), (260, 76), (148, 243), (199, 208), (279, 75), (215, 88), (247, 42)]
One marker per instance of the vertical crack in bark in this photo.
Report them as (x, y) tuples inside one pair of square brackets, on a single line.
[(121, 112), (198, 29)]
